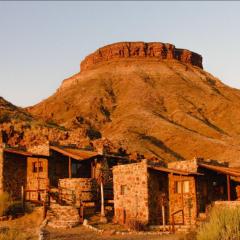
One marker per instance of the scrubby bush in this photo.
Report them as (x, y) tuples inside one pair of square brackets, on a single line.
[(5, 202), (135, 225), (5, 117), (14, 234), (223, 224)]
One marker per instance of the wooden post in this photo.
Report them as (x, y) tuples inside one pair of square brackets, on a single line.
[(44, 210), (38, 181), (70, 167), (163, 216), (228, 188), (23, 198), (182, 191)]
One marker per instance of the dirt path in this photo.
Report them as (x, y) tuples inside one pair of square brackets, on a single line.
[(82, 233)]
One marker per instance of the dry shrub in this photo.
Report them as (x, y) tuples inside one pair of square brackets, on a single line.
[(135, 225), (223, 224), (14, 234), (5, 202)]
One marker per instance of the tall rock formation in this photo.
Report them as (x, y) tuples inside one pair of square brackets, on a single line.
[(152, 98)]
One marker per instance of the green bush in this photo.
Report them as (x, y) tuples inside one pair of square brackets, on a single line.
[(5, 202), (223, 224)]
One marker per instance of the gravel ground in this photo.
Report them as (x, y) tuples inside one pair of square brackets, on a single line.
[(82, 233)]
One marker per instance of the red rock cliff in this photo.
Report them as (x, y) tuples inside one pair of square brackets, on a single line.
[(140, 50)]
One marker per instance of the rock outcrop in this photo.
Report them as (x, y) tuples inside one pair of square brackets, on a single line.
[(149, 98), (140, 50)]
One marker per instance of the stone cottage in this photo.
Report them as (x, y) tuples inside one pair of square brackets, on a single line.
[(20, 168), (152, 194), (158, 195), (216, 182)]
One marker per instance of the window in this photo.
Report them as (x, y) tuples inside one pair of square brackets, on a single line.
[(185, 186), (123, 189), (37, 167), (34, 167), (178, 185)]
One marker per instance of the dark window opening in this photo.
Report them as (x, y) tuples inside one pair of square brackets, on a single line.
[(37, 167)]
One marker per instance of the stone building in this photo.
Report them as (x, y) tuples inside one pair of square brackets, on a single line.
[(158, 195), (77, 170), (65, 170), (19, 168), (151, 194), (216, 182)]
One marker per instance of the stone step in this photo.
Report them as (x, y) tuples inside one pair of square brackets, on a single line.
[(62, 216)]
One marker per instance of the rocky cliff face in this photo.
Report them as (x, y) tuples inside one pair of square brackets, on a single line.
[(151, 98), (141, 51)]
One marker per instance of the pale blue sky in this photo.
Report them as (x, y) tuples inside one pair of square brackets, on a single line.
[(41, 43)]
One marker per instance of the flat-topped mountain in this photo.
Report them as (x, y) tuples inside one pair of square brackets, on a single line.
[(152, 98), (140, 51)]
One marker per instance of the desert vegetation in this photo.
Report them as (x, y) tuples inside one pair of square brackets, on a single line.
[(223, 224), (5, 203)]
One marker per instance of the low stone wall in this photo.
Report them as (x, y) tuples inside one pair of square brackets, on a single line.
[(227, 204), (85, 189)]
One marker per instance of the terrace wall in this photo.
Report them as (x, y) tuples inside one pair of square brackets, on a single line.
[(85, 189)]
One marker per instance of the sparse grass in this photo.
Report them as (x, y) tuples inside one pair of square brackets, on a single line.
[(22, 228), (223, 224), (5, 202), (14, 234)]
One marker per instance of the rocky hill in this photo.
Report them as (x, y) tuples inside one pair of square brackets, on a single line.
[(150, 97), (18, 128)]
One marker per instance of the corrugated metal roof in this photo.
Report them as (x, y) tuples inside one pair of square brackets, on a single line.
[(77, 154), (225, 170)]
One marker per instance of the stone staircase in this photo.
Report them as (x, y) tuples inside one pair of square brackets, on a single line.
[(59, 216)]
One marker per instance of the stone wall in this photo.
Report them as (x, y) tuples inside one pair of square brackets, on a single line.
[(85, 189), (230, 204), (186, 201), (187, 165), (42, 149), (37, 180), (130, 184)]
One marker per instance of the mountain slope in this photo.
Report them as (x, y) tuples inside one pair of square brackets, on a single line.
[(153, 98)]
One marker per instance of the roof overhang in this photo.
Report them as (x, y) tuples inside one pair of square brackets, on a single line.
[(173, 171), (76, 154), (223, 170)]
